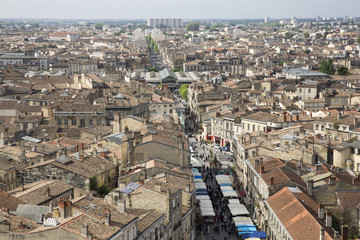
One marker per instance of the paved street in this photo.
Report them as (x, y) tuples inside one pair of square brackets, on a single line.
[(203, 149)]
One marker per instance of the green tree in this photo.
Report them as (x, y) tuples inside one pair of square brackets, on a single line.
[(306, 35), (327, 67), (281, 63), (193, 26), (116, 33), (358, 40), (98, 26), (93, 183), (152, 69), (103, 190), (288, 35), (343, 70), (177, 69), (335, 124), (183, 90)]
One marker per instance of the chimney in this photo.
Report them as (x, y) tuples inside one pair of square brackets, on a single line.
[(94, 152), (310, 114), (187, 188), (310, 185), (321, 211), (328, 219), (48, 191), (5, 209), (338, 115), (107, 217), (291, 119), (284, 116), (322, 233), (64, 208), (344, 232), (218, 114), (318, 167), (81, 156), (298, 169), (121, 206), (355, 121), (84, 230), (102, 154), (262, 169), (272, 181)]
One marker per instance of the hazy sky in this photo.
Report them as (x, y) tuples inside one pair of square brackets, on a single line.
[(135, 9)]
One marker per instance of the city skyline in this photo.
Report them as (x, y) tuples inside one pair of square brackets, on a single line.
[(210, 9)]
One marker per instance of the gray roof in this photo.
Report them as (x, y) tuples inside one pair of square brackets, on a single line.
[(167, 73), (303, 72), (116, 138), (33, 212), (289, 137)]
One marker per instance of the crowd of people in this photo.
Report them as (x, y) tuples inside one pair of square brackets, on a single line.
[(222, 222)]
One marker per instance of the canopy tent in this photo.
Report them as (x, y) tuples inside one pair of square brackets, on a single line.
[(201, 193), (205, 203), (226, 188), (198, 180), (194, 170), (200, 185), (238, 210), (197, 175), (246, 228), (256, 234), (207, 213), (202, 197), (199, 190), (223, 179), (195, 163), (225, 184), (239, 221), (234, 201), (230, 194)]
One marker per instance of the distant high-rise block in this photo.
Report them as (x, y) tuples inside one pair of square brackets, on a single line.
[(168, 22)]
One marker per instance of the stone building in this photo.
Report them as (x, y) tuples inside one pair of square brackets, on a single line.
[(76, 170)]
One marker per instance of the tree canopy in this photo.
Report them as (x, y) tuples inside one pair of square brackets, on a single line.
[(343, 70), (327, 67), (183, 90), (193, 26)]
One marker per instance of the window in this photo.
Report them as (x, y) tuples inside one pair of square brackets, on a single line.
[(248, 127), (300, 90), (74, 122), (90, 122), (309, 91), (66, 122), (99, 122), (317, 127), (254, 128), (82, 122), (59, 122)]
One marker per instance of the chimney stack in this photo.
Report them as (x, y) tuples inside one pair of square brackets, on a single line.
[(48, 191), (262, 169), (121, 206), (84, 230), (272, 181), (344, 232), (322, 233), (338, 115), (298, 169), (310, 185), (328, 219), (107, 217), (321, 211)]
